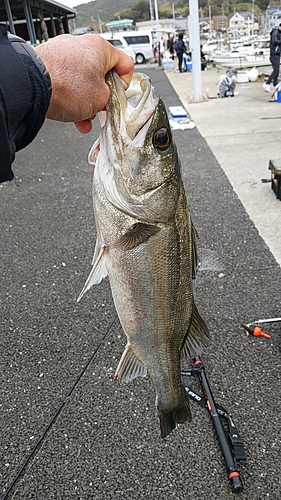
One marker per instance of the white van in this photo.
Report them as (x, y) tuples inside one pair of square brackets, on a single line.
[(119, 42), (141, 42)]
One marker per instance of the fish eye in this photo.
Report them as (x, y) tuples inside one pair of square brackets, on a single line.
[(161, 139)]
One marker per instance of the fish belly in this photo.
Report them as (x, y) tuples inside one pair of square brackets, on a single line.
[(152, 292)]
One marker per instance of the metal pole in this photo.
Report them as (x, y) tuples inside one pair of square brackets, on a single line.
[(151, 10), (99, 20), (53, 24), (29, 21), (157, 30), (10, 17), (194, 39)]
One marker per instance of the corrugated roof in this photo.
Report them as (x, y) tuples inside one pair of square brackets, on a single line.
[(16, 6)]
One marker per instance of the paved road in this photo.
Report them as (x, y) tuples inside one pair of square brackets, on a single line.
[(104, 443), (244, 134)]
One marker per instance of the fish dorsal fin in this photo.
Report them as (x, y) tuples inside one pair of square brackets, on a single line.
[(137, 234), (97, 273), (129, 367), (196, 337)]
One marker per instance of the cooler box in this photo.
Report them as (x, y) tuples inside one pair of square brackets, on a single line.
[(168, 64), (275, 167), (177, 113)]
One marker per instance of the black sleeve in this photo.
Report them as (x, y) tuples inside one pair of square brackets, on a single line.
[(24, 100), (275, 38)]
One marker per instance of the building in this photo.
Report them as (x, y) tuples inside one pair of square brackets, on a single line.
[(242, 24), (219, 23), (120, 25), (275, 19), (36, 20)]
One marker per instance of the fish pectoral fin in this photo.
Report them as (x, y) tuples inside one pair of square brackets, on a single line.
[(129, 367), (94, 152), (196, 337), (97, 273), (139, 233)]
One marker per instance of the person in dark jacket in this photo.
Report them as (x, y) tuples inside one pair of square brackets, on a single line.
[(170, 46), (275, 51), (180, 50), (62, 79)]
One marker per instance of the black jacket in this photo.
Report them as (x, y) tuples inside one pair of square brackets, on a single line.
[(275, 42), (180, 47), (24, 100)]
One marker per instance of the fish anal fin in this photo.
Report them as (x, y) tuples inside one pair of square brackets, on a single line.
[(196, 337), (129, 367), (139, 233), (178, 415), (97, 273)]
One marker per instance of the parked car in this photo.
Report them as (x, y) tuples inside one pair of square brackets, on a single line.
[(141, 42), (119, 42)]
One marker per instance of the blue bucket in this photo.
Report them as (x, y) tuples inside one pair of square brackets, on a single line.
[(278, 96)]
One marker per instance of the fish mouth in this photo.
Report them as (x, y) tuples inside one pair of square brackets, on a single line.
[(135, 106)]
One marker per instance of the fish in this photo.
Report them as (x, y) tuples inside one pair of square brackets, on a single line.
[(146, 243)]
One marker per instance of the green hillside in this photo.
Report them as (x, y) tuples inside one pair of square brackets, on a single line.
[(108, 10)]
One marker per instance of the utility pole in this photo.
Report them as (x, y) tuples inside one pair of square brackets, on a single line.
[(194, 40), (99, 20), (253, 16), (157, 30)]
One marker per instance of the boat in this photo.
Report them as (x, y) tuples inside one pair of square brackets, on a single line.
[(241, 61), (247, 55)]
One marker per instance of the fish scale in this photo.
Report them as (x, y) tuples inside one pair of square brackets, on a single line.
[(146, 244)]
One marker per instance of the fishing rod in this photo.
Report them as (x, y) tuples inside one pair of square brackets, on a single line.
[(255, 330), (232, 463)]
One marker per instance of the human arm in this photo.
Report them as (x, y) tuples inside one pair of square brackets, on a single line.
[(77, 66), (24, 100), (78, 72)]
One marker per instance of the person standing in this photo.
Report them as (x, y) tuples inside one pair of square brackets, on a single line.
[(170, 46), (180, 50), (275, 51)]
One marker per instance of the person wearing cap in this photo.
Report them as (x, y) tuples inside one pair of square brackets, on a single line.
[(275, 51), (62, 79)]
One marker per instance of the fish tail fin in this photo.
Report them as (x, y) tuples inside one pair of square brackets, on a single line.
[(197, 336), (178, 415)]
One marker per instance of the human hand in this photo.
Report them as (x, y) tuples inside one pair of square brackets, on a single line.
[(77, 66)]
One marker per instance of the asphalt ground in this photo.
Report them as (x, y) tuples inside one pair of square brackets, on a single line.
[(68, 430)]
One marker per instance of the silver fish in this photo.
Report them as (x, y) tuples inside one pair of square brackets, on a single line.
[(146, 243)]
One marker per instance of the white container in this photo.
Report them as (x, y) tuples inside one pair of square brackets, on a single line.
[(242, 76)]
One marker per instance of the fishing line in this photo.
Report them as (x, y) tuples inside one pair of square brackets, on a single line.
[(57, 412)]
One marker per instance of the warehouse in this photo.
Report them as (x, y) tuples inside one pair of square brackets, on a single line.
[(36, 20)]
